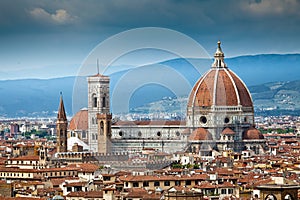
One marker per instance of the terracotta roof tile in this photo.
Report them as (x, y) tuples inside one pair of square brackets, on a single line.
[(200, 134), (24, 158), (89, 194), (79, 121), (228, 131)]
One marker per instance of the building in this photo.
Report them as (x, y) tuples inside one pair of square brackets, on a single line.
[(279, 188), (220, 117), (98, 103), (61, 128)]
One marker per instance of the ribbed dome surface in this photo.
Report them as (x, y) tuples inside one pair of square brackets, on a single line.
[(228, 131), (219, 87), (79, 121), (200, 134), (252, 134)]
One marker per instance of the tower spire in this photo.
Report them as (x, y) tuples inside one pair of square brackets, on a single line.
[(61, 115), (219, 57), (61, 128)]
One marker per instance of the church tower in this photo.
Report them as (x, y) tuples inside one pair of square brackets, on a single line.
[(104, 133), (61, 128), (98, 103)]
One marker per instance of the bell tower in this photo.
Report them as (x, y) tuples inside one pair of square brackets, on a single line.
[(104, 133), (61, 128), (98, 103)]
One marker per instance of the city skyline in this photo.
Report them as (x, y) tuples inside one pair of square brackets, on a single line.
[(42, 39)]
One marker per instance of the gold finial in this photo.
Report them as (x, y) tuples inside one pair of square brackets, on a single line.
[(219, 57), (219, 49)]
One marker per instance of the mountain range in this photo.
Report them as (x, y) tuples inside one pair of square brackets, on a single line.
[(272, 79)]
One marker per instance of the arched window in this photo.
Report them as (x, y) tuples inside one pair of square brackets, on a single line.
[(101, 128), (270, 197), (103, 102), (288, 197), (94, 98)]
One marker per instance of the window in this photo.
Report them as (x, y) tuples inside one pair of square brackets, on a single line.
[(156, 183), (230, 191), (223, 191), (120, 133), (177, 183), (101, 128), (83, 134), (167, 183), (270, 197), (94, 100), (146, 184), (203, 119), (103, 102), (188, 182), (158, 133), (135, 184), (226, 120)]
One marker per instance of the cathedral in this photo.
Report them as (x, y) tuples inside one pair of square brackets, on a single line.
[(219, 117)]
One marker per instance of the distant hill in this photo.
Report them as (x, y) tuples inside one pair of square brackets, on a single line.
[(34, 97), (272, 80), (276, 98)]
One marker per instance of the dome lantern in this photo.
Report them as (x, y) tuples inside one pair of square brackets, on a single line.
[(219, 58)]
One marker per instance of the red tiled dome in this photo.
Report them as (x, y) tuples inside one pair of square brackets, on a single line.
[(79, 121), (252, 134), (228, 131), (219, 87), (186, 131), (200, 134)]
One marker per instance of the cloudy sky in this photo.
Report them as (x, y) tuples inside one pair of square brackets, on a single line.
[(44, 39)]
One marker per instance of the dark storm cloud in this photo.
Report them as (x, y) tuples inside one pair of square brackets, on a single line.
[(202, 16), (66, 31)]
